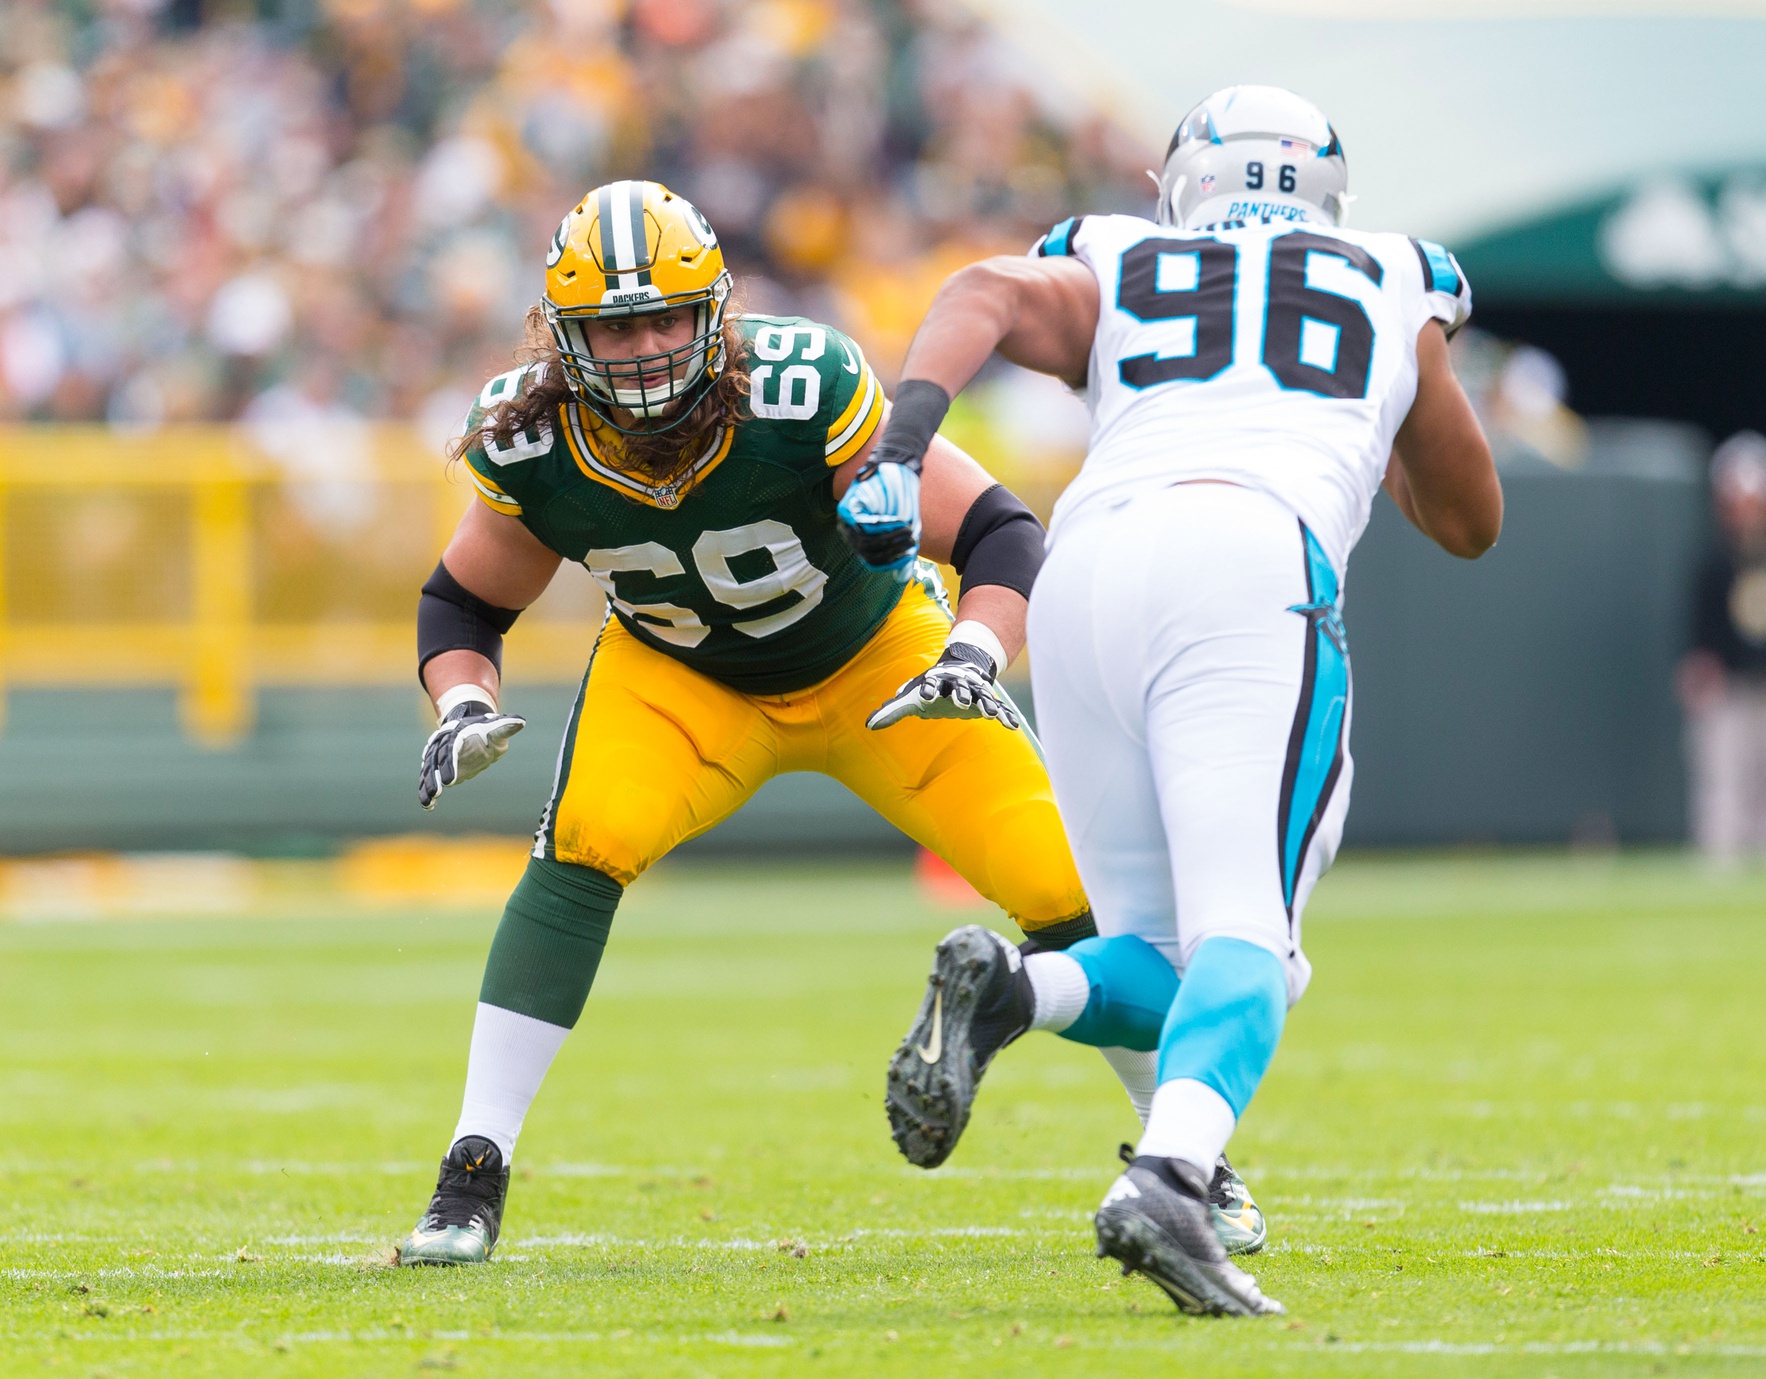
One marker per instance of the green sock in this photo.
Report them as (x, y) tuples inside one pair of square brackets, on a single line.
[(549, 944)]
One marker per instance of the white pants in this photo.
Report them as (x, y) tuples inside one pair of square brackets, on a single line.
[(1192, 695), (1727, 754)]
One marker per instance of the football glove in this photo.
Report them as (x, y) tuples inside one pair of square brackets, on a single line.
[(471, 736), (880, 516), (960, 684)]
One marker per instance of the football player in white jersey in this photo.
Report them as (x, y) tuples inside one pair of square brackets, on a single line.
[(1255, 373)]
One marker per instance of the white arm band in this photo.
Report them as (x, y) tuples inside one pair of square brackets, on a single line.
[(979, 634)]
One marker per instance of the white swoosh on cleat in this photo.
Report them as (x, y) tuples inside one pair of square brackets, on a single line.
[(933, 1047)]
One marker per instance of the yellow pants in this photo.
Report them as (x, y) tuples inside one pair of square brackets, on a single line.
[(657, 753)]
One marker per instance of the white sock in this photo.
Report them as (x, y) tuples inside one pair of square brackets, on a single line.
[(510, 1055), (1190, 1121), (1140, 1076), (1061, 987)]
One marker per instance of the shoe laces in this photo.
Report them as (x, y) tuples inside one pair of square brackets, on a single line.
[(1220, 1191), (470, 1186)]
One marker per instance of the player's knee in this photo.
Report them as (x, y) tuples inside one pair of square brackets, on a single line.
[(1028, 867), (617, 833), (1271, 939)]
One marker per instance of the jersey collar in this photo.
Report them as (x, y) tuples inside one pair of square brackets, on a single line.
[(590, 443)]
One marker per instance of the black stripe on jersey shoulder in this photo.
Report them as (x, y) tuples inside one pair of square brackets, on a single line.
[(1423, 261)]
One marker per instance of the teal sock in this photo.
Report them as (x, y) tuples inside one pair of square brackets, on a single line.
[(549, 943), (1226, 1020), (1132, 988)]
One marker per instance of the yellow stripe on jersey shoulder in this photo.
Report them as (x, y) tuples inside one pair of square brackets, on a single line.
[(853, 427), (497, 502), (491, 494)]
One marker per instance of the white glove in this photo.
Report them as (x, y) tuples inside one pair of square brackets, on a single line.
[(960, 684), (472, 735)]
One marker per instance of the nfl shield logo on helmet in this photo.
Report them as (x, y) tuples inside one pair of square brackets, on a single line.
[(1206, 183)]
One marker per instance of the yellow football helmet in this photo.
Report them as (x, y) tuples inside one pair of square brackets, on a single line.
[(628, 249)]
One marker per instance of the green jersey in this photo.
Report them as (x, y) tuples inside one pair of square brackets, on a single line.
[(735, 568)]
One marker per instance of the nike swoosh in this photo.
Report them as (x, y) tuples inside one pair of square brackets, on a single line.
[(851, 365), (933, 1047)]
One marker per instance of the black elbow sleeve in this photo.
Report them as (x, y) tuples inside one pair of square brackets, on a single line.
[(452, 618), (1000, 542)]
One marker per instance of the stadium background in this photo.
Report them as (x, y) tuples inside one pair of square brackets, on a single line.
[(255, 255), (256, 259)]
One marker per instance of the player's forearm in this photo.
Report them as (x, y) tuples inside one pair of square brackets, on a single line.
[(452, 669), (999, 609)]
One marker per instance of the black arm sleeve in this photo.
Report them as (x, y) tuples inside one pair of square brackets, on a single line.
[(1000, 542), (451, 617)]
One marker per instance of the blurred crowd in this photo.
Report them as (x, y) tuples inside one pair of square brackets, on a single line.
[(306, 213)]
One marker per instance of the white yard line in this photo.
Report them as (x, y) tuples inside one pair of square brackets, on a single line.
[(1638, 1348), (370, 1335)]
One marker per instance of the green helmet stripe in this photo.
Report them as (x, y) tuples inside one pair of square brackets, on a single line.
[(604, 215), (640, 244)]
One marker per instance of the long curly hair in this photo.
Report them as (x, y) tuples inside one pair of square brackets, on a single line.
[(658, 458)]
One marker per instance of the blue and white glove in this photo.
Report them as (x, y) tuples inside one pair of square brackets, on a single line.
[(880, 516), (962, 683), (471, 736)]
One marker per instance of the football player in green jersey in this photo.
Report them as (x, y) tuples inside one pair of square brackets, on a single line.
[(693, 460)]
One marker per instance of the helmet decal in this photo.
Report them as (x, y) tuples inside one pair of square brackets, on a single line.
[(699, 225), (556, 251)]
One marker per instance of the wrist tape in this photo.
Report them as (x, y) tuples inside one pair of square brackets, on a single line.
[(450, 699), (916, 412), (979, 635)]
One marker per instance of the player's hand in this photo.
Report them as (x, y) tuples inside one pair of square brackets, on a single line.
[(961, 684), (472, 736), (880, 516)]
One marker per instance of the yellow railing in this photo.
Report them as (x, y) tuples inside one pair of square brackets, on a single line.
[(191, 558)]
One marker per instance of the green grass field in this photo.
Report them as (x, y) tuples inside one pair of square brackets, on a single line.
[(1515, 1128)]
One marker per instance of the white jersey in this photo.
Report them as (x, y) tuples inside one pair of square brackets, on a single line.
[(1279, 356)]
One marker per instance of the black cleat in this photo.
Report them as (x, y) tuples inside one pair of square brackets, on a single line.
[(466, 1213), (978, 1000), (1156, 1220), (1238, 1220)]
